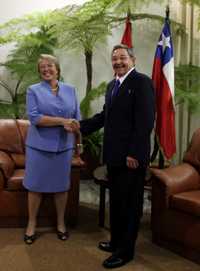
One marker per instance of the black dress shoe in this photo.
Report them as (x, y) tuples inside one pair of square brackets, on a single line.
[(62, 235), (106, 246), (115, 261), (29, 239)]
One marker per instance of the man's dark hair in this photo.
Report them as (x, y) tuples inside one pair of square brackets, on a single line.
[(123, 46)]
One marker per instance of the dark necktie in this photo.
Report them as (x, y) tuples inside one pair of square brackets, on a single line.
[(115, 90)]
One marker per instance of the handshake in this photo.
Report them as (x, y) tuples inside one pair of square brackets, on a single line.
[(71, 125)]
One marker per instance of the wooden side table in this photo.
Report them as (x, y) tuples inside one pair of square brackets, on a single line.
[(100, 178)]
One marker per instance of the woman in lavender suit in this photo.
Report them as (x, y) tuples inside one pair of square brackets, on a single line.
[(53, 113)]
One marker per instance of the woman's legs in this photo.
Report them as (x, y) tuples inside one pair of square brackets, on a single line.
[(34, 200), (60, 203)]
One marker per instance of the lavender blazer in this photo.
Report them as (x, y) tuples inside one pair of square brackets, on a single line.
[(40, 101)]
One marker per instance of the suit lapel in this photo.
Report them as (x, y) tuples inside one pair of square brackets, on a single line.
[(125, 86), (109, 93)]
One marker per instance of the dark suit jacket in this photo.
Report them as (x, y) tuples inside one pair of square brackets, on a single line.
[(128, 121)]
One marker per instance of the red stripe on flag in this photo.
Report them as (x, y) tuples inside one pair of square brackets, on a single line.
[(127, 36)]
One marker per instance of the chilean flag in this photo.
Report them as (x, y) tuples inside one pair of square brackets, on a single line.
[(163, 77)]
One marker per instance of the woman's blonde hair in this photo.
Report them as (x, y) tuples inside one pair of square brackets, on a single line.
[(51, 59)]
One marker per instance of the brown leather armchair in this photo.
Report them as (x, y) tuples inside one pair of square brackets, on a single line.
[(176, 204), (13, 197)]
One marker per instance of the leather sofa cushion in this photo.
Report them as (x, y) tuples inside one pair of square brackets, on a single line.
[(15, 182), (188, 202), (192, 156), (19, 160)]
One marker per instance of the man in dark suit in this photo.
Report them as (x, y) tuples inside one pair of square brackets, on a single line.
[(128, 119)]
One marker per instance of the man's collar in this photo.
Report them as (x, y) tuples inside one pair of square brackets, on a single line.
[(122, 78)]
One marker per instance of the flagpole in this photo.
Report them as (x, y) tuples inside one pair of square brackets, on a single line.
[(161, 160), (167, 13), (129, 13)]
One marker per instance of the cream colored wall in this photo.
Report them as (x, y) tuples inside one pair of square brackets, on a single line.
[(14, 8)]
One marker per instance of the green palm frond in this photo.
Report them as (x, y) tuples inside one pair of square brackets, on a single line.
[(95, 93), (187, 85), (81, 30), (94, 143), (21, 63)]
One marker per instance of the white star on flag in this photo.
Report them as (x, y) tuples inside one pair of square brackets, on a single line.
[(164, 42)]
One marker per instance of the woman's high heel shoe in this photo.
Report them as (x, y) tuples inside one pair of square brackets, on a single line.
[(29, 239), (62, 235)]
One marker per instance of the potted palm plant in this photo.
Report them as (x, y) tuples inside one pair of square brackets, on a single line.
[(92, 143), (21, 64)]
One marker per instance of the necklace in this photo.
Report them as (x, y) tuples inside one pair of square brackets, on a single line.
[(54, 89)]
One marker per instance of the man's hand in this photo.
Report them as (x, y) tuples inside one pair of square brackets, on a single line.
[(131, 162), (71, 125)]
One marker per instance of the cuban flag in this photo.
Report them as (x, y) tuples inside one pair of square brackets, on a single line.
[(127, 36), (163, 78)]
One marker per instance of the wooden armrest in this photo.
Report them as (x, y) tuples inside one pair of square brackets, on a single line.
[(77, 162), (6, 164), (2, 181)]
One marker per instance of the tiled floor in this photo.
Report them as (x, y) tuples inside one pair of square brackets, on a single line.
[(89, 193)]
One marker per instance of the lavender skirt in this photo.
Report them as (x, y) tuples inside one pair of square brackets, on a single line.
[(47, 171)]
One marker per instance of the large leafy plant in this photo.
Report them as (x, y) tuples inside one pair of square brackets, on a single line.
[(187, 85), (22, 65), (81, 31), (187, 81), (93, 142)]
